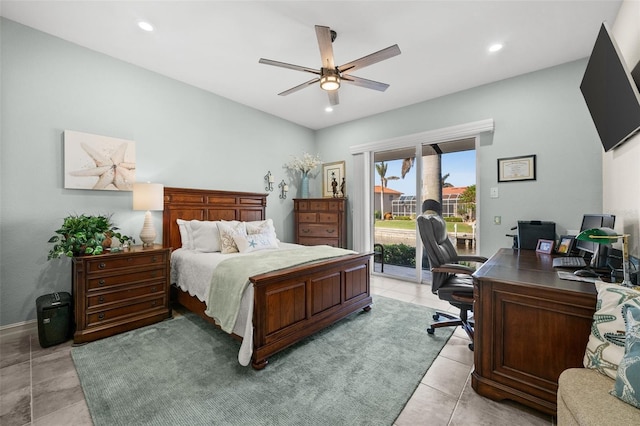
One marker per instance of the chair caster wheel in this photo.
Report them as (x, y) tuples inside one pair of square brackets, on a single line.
[(471, 346), (435, 317), (430, 330)]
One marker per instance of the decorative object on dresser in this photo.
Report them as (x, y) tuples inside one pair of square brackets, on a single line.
[(120, 291), (84, 235), (290, 303), (148, 196), (320, 221), (333, 179), (305, 166)]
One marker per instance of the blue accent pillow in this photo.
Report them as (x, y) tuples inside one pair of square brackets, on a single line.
[(627, 386)]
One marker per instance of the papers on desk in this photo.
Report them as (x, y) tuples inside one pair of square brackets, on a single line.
[(564, 275)]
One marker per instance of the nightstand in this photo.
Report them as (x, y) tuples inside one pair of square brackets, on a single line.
[(120, 291)]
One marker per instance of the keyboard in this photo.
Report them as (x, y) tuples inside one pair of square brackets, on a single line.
[(569, 262)]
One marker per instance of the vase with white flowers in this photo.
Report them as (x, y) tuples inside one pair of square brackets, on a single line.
[(304, 165)]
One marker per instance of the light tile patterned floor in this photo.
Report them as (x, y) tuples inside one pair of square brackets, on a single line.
[(40, 386)]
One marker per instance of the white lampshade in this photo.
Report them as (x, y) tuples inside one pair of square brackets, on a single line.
[(148, 196)]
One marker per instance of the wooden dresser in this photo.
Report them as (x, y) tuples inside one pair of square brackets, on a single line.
[(321, 221), (116, 292), (530, 326)]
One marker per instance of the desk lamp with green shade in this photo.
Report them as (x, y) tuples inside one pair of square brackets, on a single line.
[(606, 236)]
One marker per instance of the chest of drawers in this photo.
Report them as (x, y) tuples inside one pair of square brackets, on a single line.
[(321, 221), (117, 292)]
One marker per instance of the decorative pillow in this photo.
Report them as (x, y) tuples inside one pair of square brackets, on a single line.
[(206, 237), (260, 227), (185, 234), (605, 348), (627, 386), (255, 242), (227, 231)]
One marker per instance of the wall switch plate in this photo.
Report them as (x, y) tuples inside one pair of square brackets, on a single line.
[(494, 192), (497, 220)]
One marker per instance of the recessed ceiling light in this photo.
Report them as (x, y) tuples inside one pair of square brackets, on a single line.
[(145, 26), (495, 47), (328, 109)]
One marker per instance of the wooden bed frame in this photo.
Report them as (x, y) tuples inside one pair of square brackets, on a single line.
[(289, 304)]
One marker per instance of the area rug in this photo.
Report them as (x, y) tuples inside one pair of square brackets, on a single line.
[(183, 371)]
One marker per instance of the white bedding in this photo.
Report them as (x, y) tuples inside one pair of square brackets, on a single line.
[(191, 271)]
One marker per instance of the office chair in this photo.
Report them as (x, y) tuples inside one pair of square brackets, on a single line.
[(451, 281)]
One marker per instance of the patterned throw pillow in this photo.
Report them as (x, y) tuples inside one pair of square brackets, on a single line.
[(627, 386), (260, 227), (255, 242), (227, 231), (605, 348)]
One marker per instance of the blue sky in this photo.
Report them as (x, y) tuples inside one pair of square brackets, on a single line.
[(461, 167)]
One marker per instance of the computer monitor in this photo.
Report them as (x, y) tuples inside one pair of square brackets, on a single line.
[(590, 221)]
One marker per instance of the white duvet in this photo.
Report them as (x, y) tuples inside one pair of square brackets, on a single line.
[(192, 270)]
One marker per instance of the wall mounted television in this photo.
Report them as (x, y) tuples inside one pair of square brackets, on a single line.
[(610, 92)]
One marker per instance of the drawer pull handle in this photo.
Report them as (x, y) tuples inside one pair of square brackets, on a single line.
[(331, 231), (154, 289), (101, 299), (102, 265), (101, 282), (101, 316), (130, 259), (154, 258), (306, 231), (154, 274), (154, 303)]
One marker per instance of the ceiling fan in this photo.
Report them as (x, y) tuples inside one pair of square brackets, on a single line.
[(329, 75)]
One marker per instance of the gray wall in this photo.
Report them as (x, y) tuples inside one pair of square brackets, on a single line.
[(184, 137), (540, 113), (190, 138)]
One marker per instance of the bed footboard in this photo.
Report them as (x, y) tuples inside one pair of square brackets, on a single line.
[(292, 304)]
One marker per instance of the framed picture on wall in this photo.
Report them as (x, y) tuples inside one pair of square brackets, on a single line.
[(98, 162), (333, 179), (517, 168)]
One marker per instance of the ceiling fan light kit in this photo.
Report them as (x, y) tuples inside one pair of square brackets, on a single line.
[(330, 76)]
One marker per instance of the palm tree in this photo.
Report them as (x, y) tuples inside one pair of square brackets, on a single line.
[(381, 168)]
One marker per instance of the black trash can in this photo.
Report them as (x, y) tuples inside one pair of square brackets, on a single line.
[(54, 318)]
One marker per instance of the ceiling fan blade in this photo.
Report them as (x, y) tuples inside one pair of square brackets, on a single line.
[(333, 97), (289, 66), (363, 82), (299, 87), (373, 58), (326, 49)]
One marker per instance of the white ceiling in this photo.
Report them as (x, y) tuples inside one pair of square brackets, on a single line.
[(215, 45)]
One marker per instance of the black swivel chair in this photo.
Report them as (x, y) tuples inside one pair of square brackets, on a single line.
[(451, 281)]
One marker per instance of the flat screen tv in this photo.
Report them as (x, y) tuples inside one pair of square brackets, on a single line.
[(610, 93)]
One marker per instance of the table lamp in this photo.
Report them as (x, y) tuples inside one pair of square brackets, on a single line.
[(148, 196), (605, 236)]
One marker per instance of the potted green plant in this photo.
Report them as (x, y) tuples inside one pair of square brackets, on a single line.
[(84, 235)]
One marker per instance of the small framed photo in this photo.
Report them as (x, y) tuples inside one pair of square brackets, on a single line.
[(545, 246), (565, 246), (333, 180), (517, 168)]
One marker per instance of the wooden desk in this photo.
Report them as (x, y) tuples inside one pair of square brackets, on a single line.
[(529, 327)]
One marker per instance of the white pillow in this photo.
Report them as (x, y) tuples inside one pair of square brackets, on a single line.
[(260, 227), (227, 231), (206, 237), (255, 242), (185, 234)]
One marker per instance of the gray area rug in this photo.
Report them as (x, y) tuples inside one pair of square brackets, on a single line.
[(183, 371)]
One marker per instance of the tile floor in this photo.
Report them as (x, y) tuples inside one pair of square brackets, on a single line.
[(40, 386)]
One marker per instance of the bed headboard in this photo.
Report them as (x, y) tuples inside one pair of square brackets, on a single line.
[(203, 204)]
